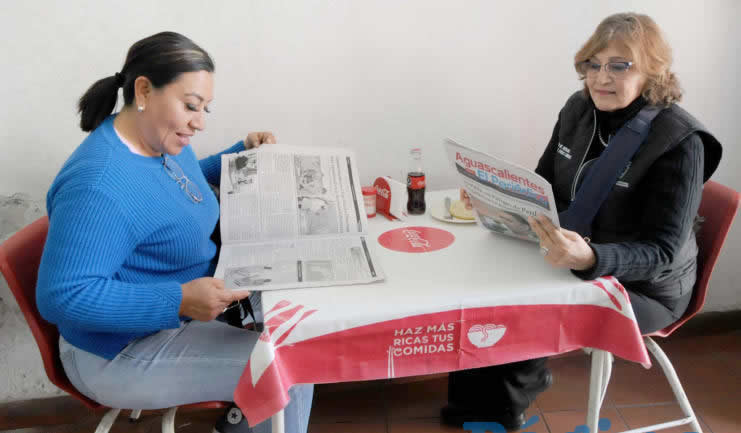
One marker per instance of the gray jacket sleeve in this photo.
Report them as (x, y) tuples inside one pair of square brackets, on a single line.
[(671, 193)]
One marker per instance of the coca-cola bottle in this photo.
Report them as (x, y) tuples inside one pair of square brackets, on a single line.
[(416, 183)]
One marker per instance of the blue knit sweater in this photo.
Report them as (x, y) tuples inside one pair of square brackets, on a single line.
[(123, 236)]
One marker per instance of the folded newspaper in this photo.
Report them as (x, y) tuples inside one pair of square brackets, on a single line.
[(293, 217), (503, 194)]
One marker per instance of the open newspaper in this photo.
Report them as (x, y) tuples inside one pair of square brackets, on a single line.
[(293, 217), (503, 194)]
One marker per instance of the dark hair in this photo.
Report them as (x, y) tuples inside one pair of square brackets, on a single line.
[(161, 58)]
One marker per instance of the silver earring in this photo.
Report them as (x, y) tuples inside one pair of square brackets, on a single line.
[(140, 108)]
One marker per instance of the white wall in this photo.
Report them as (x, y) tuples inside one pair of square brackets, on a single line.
[(374, 76)]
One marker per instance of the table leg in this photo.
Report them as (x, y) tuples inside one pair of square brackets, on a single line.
[(598, 380), (278, 422)]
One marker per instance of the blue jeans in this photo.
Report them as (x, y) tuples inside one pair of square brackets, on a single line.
[(199, 361)]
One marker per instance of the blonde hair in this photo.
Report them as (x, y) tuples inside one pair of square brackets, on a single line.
[(650, 51)]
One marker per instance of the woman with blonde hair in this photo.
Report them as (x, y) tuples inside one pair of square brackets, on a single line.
[(627, 166)]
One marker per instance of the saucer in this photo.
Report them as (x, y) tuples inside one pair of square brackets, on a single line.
[(437, 211)]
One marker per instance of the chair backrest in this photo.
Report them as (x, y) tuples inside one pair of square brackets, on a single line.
[(20, 256), (718, 207)]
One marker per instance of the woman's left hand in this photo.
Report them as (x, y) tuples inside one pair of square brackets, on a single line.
[(563, 248), (256, 139)]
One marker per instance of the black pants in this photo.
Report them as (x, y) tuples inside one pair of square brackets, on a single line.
[(663, 307), (653, 315), (498, 388)]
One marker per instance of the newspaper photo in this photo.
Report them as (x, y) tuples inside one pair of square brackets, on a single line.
[(503, 194), (292, 217)]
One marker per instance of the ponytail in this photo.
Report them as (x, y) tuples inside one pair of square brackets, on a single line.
[(98, 102)]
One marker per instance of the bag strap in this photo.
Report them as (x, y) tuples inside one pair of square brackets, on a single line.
[(601, 177)]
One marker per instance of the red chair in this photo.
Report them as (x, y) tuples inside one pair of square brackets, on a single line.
[(718, 208), (19, 263)]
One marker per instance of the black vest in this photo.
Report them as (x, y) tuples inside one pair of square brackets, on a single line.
[(618, 219)]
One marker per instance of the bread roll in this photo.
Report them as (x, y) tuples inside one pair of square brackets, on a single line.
[(458, 210)]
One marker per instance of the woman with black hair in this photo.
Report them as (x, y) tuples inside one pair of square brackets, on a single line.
[(127, 265)]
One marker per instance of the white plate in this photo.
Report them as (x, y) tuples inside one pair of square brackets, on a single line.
[(437, 211)]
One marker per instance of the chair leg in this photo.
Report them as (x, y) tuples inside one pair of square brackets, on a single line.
[(598, 380), (168, 420), (606, 374), (105, 424), (671, 376), (135, 414), (600, 376), (278, 422)]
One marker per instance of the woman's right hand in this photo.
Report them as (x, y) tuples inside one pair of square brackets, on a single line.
[(205, 298), (256, 139), (466, 199)]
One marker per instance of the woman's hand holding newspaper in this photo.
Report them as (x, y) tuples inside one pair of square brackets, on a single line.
[(205, 298), (561, 247), (255, 139), (466, 199)]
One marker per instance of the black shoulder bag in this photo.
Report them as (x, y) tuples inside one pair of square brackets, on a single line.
[(602, 175)]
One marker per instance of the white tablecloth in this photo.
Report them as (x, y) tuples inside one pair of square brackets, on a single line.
[(486, 299)]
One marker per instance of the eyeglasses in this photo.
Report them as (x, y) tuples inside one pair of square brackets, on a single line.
[(615, 70), (176, 173)]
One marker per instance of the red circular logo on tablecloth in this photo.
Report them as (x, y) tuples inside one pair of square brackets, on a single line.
[(416, 239)]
